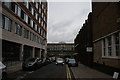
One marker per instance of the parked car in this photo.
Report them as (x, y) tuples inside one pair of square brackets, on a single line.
[(66, 60), (53, 58), (3, 68), (72, 62), (30, 64), (44, 62), (39, 62), (48, 60), (59, 61)]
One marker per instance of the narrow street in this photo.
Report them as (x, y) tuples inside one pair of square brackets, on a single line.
[(60, 40), (50, 71)]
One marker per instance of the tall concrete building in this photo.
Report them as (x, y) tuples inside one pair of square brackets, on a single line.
[(106, 34), (24, 31)]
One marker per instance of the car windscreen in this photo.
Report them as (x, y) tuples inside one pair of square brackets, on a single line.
[(72, 61), (59, 59)]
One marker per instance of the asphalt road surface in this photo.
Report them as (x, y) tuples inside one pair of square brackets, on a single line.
[(48, 72), (51, 71)]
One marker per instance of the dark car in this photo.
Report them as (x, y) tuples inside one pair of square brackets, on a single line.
[(72, 63), (30, 64), (39, 62), (3, 68), (44, 61)]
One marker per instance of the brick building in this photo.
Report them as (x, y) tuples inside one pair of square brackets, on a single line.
[(106, 34), (24, 31), (83, 42)]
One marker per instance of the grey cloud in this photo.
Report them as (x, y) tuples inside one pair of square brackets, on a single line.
[(64, 27)]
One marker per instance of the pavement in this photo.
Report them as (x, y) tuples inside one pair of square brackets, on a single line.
[(14, 68), (83, 71)]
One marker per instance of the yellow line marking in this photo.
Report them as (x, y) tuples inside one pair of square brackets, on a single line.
[(68, 73)]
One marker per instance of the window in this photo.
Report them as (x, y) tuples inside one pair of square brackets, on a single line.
[(42, 23), (39, 20), (41, 33), (36, 16), (44, 18), (18, 29), (36, 5), (37, 39), (117, 44), (31, 36), (25, 18), (32, 11), (31, 24), (1, 25), (8, 24), (109, 46), (42, 6), (39, 30), (44, 10), (22, 14), (3, 21), (40, 10), (35, 27), (29, 20), (42, 15), (13, 6), (19, 11), (16, 9), (25, 3), (26, 33), (30, 7), (104, 49), (7, 4)]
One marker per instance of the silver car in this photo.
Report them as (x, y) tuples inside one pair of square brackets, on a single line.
[(59, 61)]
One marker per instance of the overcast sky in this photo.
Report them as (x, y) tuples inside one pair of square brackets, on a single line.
[(65, 20)]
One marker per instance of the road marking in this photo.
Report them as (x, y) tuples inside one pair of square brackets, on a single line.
[(68, 73)]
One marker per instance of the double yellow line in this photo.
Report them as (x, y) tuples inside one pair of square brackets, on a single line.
[(68, 73)]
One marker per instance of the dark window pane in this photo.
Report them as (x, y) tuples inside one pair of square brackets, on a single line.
[(13, 6)]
